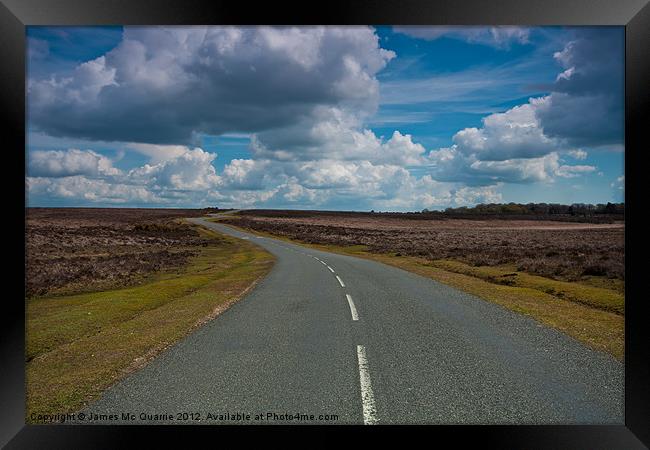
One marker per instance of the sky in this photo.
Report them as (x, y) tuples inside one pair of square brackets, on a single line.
[(332, 118)]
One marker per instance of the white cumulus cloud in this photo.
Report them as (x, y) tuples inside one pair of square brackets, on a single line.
[(515, 133), (162, 85), (191, 171), (70, 162)]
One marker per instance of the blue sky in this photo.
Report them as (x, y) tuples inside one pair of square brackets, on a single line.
[(384, 118)]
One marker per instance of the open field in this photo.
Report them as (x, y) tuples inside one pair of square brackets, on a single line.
[(69, 250), (560, 250), (80, 343), (569, 276)]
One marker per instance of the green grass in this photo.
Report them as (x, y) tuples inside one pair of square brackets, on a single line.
[(79, 345), (597, 297), (591, 311)]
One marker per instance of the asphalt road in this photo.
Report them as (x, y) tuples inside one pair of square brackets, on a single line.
[(328, 335)]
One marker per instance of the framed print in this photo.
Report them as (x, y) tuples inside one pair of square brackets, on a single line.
[(407, 214)]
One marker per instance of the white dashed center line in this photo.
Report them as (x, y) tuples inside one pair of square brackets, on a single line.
[(353, 309), (367, 397)]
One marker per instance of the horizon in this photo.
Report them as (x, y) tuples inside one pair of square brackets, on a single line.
[(322, 210), (349, 118)]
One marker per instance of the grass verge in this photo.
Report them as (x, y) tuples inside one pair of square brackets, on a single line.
[(79, 345), (590, 311)]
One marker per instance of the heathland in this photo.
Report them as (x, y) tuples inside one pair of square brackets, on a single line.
[(108, 289)]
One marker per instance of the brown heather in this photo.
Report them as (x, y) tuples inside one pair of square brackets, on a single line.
[(560, 250), (86, 249)]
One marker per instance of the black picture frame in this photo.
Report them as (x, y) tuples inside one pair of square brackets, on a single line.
[(16, 14)]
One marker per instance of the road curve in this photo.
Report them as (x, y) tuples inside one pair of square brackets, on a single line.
[(328, 338)]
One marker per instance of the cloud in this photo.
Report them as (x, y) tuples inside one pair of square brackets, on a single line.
[(335, 135), (362, 179), (583, 120), (87, 176), (471, 196), (585, 107), (248, 174), (82, 189), (304, 98), (578, 154), (162, 85), (425, 192), (358, 178), (509, 147), (522, 144), (333, 183), (440, 88), (566, 171), (450, 164), (475, 87), (517, 170), (619, 183), (68, 163), (190, 179), (158, 153), (189, 171), (515, 133), (499, 37)]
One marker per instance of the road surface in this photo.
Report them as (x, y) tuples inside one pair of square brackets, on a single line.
[(328, 338)]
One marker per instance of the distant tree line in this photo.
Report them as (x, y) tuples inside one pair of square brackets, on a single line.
[(214, 209), (602, 212), (541, 209)]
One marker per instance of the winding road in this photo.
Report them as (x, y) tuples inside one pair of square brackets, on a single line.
[(328, 338)]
